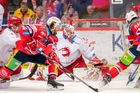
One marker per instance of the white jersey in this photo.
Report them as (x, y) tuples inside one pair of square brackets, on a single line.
[(7, 42), (69, 51), (1, 15)]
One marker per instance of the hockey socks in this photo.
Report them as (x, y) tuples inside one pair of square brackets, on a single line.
[(117, 69)]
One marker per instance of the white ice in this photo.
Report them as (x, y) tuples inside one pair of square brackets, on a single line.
[(118, 85)]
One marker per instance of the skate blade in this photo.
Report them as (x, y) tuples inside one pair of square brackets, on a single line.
[(51, 88)]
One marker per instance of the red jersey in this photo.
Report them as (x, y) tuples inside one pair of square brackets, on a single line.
[(32, 37), (134, 30)]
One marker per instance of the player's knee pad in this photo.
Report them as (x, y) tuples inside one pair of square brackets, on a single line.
[(13, 64), (127, 58)]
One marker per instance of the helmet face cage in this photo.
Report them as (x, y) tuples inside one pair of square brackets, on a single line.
[(130, 15), (52, 22), (68, 31)]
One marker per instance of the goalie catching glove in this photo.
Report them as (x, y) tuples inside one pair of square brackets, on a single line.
[(100, 64)]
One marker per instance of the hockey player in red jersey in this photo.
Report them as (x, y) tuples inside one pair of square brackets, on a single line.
[(133, 68), (34, 38), (131, 54), (55, 25)]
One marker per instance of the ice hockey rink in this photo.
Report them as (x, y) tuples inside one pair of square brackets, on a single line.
[(118, 85)]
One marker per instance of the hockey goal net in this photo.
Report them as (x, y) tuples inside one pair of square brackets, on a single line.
[(109, 35)]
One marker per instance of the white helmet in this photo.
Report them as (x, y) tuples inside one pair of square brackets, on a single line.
[(54, 21), (68, 28), (130, 15)]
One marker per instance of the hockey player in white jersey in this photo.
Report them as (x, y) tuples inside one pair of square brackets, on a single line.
[(8, 38), (71, 49)]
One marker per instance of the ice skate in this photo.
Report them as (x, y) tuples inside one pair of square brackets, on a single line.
[(4, 79), (52, 85), (16, 76)]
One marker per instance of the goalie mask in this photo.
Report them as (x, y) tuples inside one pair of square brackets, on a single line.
[(68, 32)]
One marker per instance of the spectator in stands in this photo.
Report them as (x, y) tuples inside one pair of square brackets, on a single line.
[(88, 15), (39, 18), (80, 6), (24, 12), (90, 11), (65, 4), (59, 8), (13, 5), (70, 14), (50, 8), (35, 3)]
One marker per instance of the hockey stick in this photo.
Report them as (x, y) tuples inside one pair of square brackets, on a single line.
[(31, 74), (71, 77), (132, 76), (66, 70)]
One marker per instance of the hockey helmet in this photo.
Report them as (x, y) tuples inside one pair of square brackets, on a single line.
[(130, 15), (136, 8), (14, 21)]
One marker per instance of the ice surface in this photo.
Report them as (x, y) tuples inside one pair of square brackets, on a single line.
[(26, 86)]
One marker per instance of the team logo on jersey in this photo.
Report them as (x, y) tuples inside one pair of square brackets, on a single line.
[(65, 51), (25, 33)]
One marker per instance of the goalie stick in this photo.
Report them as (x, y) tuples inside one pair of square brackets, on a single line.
[(132, 75), (66, 70)]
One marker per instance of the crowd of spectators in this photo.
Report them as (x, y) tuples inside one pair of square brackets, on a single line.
[(38, 11)]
